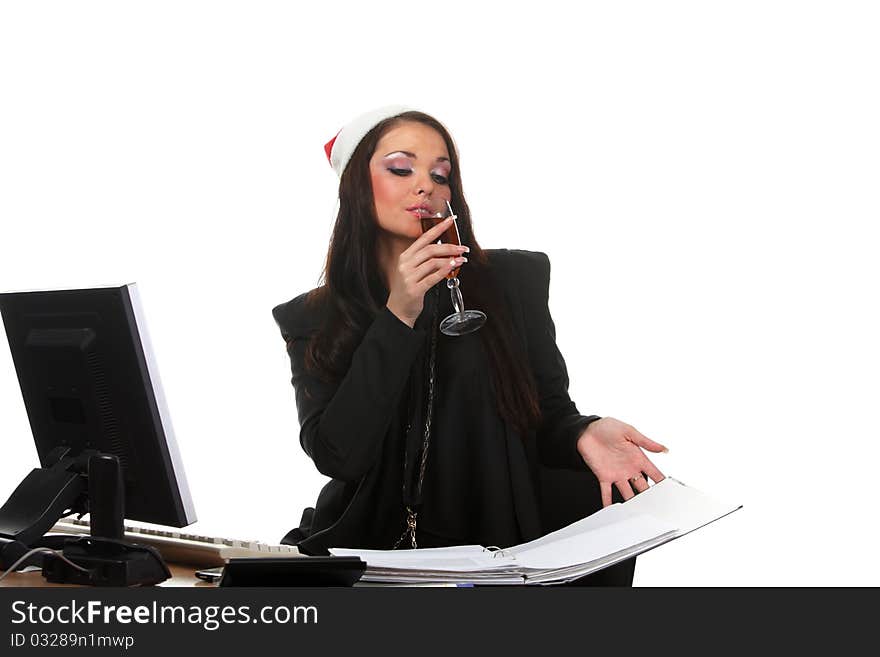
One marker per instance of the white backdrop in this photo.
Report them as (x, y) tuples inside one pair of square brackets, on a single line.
[(704, 177)]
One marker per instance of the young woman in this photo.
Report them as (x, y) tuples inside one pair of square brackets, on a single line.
[(433, 440)]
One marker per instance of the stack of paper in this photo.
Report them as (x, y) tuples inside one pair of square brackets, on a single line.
[(664, 512)]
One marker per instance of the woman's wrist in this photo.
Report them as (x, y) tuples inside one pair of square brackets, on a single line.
[(585, 439)]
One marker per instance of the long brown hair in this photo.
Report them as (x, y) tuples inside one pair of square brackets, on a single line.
[(354, 290)]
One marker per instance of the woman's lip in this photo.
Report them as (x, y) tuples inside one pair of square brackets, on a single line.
[(419, 212)]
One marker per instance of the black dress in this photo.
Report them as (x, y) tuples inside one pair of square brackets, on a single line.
[(484, 482)]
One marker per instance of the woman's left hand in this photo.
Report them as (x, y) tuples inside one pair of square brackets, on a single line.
[(612, 450)]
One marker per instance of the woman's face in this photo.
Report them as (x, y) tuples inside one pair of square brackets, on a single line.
[(409, 167)]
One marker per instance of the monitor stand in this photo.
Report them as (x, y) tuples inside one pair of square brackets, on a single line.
[(90, 482)]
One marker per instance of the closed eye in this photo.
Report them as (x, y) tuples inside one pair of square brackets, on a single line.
[(400, 172)]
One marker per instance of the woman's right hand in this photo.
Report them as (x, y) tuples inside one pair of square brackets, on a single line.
[(419, 268)]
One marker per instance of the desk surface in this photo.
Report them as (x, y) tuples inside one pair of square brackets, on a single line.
[(181, 575)]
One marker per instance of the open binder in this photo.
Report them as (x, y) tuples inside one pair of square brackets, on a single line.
[(664, 512)]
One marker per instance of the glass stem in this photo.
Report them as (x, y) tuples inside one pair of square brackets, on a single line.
[(455, 293)]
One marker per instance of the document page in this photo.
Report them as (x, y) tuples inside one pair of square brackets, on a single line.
[(602, 518), (685, 507), (595, 543), (460, 558)]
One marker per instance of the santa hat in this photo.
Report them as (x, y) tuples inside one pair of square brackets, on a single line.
[(340, 148)]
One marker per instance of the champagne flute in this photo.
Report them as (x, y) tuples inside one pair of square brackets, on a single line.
[(461, 321)]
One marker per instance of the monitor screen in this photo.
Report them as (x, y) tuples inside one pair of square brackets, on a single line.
[(90, 382)]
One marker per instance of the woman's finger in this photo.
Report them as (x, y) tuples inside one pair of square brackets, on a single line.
[(434, 265), (605, 487), (430, 235), (639, 483), (626, 491), (432, 251), (651, 470), (637, 437), (430, 281)]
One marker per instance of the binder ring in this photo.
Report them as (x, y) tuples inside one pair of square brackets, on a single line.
[(495, 550)]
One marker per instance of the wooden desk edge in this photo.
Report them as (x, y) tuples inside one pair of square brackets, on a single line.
[(182, 575)]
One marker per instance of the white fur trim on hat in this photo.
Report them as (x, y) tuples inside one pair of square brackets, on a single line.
[(340, 148)]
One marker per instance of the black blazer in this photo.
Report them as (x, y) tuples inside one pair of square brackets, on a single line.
[(343, 428)]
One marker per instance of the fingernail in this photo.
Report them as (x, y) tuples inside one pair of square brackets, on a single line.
[(665, 449), (466, 249)]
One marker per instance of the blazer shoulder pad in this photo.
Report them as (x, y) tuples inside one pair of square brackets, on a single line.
[(515, 265), (300, 316)]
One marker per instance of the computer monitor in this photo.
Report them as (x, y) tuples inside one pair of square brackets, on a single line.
[(91, 387)]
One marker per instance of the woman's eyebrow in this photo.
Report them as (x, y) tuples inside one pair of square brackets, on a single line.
[(413, 155)]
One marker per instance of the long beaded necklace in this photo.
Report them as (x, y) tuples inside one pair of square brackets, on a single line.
[(412, 508)]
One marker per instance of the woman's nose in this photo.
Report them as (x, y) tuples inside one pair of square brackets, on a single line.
[(423, 183)]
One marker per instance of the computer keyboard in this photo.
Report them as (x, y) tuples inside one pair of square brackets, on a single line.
[(176, 546)]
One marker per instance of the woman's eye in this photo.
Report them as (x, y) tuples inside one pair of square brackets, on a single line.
[(439, 178), (400, 172)]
